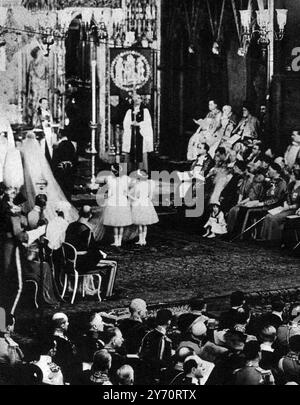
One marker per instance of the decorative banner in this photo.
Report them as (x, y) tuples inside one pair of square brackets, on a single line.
[(131, 69), (61, 4)]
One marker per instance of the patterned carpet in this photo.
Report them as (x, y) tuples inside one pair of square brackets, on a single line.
[(179, 264), (176, 266)]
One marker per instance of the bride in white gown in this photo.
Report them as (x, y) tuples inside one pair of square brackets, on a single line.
[(36, 170)]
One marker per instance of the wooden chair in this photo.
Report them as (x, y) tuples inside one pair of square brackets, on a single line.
[(70, 270)]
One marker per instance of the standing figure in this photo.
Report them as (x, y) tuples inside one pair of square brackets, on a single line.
[(64, 162), (138, 134), (38, 81), (143, 211), (43, 120), (117, 213)]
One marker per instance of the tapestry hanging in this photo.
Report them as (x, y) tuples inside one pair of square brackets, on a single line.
[(131, 70)]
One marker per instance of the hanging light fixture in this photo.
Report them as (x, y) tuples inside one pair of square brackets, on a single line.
[(281, 21), (264, 30)]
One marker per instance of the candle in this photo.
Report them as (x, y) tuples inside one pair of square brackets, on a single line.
[(55, 84), (94, 102), (20, 86)]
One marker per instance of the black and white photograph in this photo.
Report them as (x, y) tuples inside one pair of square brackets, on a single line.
[(149, 195)]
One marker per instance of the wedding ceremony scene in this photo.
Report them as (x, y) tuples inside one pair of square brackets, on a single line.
[(149, 193)]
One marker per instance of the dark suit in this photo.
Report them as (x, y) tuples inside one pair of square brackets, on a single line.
[(66, 357), (207, 164), (156, 351), (81, 237), (230, 194), (229, 319), (133, 333), (64, 162)]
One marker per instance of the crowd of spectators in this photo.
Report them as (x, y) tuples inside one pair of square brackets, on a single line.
[(246, 181), (238, 347)]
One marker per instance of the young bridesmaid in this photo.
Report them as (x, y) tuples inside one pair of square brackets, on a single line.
[(216, 224), (117, 212), (142, 208)]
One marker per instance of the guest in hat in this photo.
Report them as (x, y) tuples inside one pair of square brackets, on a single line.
[(249, 127), (216, 225), (142, 209)]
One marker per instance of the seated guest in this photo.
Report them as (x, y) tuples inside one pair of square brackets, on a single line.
[(177, 366), (274, 223), (184, 323), (37, 213), (199, 308), (274, 193), (240, 149), (274, 318), (251, 373), (192, 372), (228, 122), (156, 348), (199, 169), (57, 227), (133, 328), (92, 339), (288, 329), (277, 189), (208, 130), (218, 177), (195, 336), (289, 365), (204, 162), (65, 352), (230, 194), (80, 235), (229, 361), (292, 153), (99, 373), (125, 375), (254, 158), (267, 339), (237, 302), (247, 192), (232, 158), (114, 340), (248, 128)]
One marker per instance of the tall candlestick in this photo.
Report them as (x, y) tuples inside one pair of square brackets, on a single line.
[(94, 90), (20, 87), (93, 125)]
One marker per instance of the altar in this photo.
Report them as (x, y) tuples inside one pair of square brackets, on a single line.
[(107, 49)]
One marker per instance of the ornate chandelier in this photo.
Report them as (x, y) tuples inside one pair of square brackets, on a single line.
[(262, 26)]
